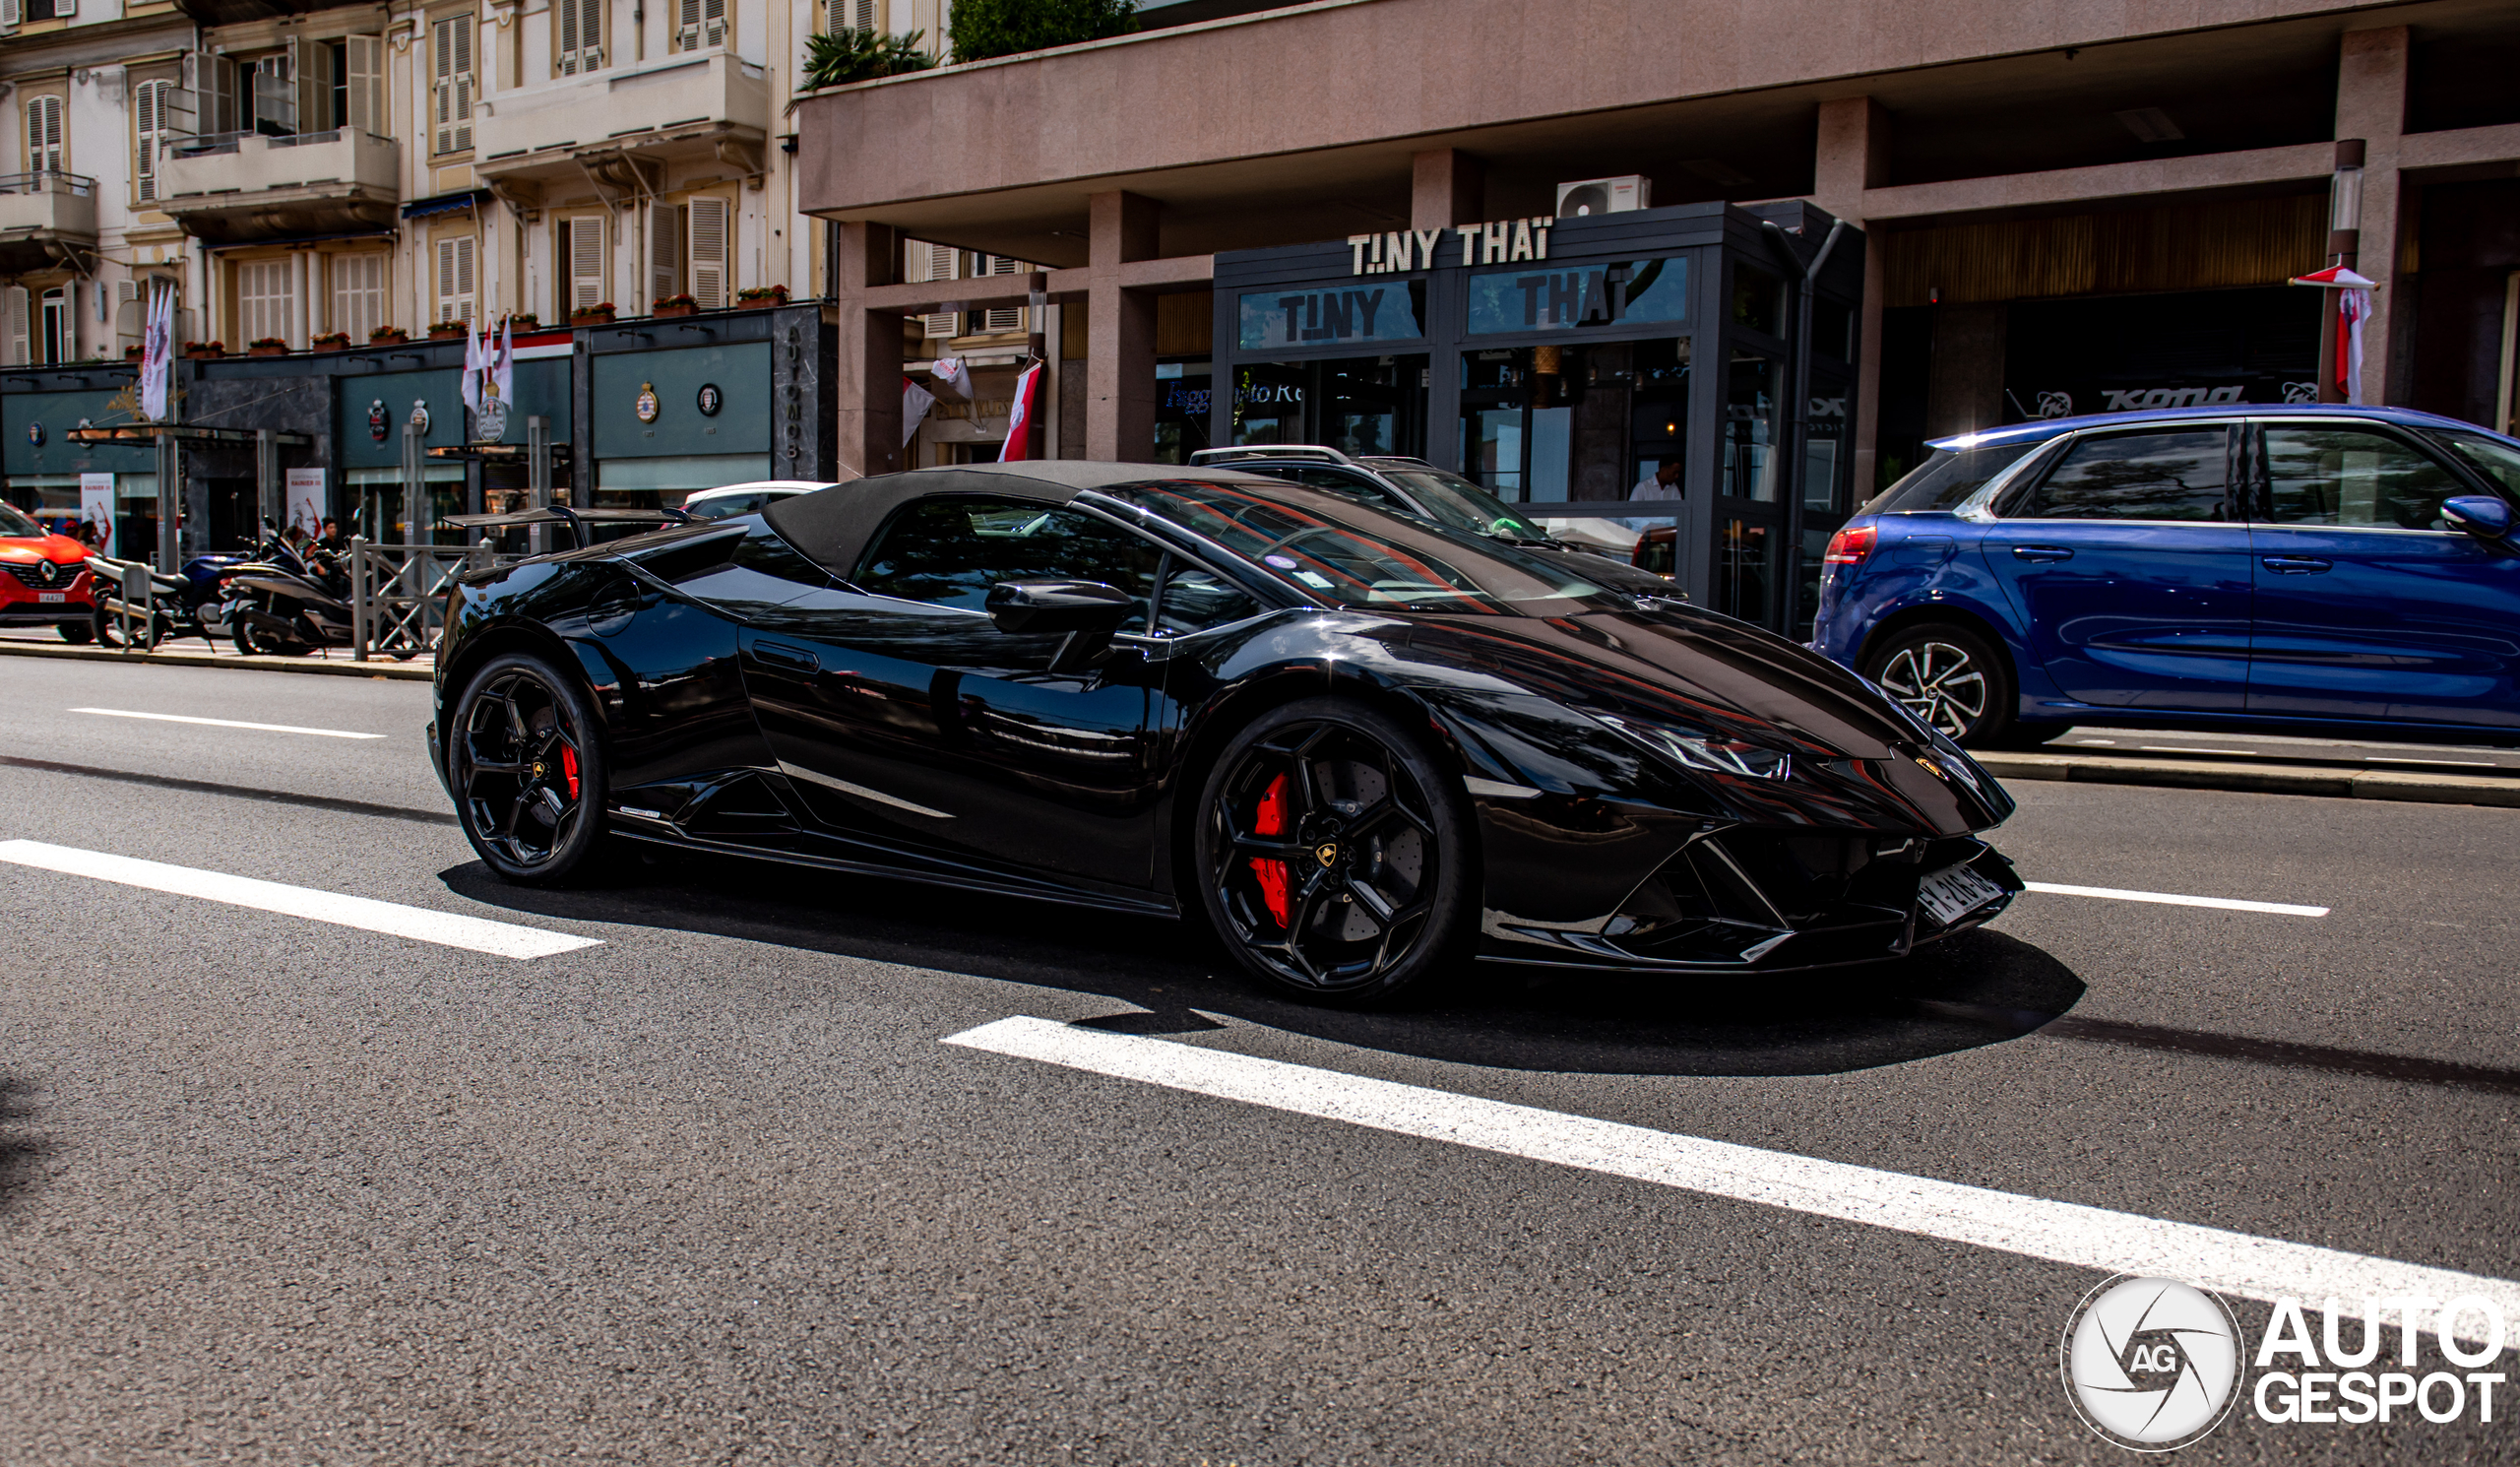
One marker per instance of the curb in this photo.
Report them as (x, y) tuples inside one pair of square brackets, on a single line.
[(401, 671), (2331, 783)]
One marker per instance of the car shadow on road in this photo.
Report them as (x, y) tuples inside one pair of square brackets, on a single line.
[(22, 1151), (1496, 1014)]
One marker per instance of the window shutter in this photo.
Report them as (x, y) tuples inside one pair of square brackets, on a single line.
[(455, 279), (1001, 318), (12, 13), (149, 114), (686, 33), (313, 67), (714, 23), (43, 134), (13, 326), (364, 55), (586, 261), (936, 261), (665, 253), (570, 38), (709, 253), (463, 34), (63, 10), (865, 15), (451, 41), (581, 37), (358, 294)]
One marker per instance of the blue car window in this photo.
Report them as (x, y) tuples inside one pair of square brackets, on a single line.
[(2498, 460), (1943, 480), (2343, 477), (948, 552), (2175, 475)]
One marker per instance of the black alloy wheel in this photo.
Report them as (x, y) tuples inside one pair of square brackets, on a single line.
[(262, 641), (526, 771), (1949, 676), (1333, 853)]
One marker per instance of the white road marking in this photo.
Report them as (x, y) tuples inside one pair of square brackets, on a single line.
[(801, 772), (227, 722), (445, 928), (2174, 899), (2169, 748), (2069, 1232), (2463, 763)]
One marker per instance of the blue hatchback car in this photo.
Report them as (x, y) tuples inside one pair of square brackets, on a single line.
[(2351, 567)]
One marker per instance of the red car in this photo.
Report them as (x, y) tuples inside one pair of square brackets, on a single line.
[(44, 579)]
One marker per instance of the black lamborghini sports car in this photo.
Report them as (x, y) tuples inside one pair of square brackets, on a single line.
[(1363, 747)]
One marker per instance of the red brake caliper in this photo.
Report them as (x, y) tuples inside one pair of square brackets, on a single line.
[(569, 768), (1272, 873)]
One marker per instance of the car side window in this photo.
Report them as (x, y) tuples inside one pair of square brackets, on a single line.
[(1354, 486), (1196, 598), (2167, 475), (2353, 479), (950, 549)]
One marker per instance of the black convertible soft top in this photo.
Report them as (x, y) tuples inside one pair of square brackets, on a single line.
[(830, 527)]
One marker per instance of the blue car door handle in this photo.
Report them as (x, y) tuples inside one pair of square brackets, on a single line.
[(2041, 553), (2295, 565), (793, 659)]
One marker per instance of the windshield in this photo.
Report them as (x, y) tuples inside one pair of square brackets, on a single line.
[(1454, 500), (1334, 549), (12, 523), (2499, 461)]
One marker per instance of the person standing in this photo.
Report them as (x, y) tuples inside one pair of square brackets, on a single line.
[(1663, 481)]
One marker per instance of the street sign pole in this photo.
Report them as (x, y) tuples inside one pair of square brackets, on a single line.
[(266, 483), (169, 499), (537, 476)]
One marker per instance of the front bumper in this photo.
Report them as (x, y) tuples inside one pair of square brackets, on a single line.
[(1748, 899)]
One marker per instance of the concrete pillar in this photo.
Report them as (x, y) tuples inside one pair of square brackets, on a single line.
[(1853, 156), (2371, 104), (1119, 354), (1446, 188), (868, 376)]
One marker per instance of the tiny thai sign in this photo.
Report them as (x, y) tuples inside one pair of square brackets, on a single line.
[(1499, 242)]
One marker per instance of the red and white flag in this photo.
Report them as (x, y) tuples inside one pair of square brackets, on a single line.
[(2353, 308), (1018, 417)]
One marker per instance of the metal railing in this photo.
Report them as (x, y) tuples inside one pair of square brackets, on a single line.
[(399, 594), (48, 181), (134, 602)]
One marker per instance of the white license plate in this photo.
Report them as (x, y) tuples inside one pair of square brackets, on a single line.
[(1953, 893), (48, 597)]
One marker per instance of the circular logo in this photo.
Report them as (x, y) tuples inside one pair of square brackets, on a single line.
[(647, 403), (490, 424), (2151, 1364), (420, 414), (34, 434), (711, 400), (376, 419)]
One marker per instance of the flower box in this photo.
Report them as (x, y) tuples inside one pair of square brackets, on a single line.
[(339, 341), (449, 330), (675, 305), (267, 347), (760, 297), (592, 315), (388, 335), (205, 350)]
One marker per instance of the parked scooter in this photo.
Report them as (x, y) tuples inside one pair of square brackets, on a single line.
[(288, 603), (189, 605)]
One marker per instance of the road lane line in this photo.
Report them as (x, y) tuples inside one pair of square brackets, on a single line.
[(445, 928), (2461, 763), (2069, 1232), (227, 722), (2174, 899)]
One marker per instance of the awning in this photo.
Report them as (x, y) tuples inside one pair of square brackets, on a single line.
[(470, 197)]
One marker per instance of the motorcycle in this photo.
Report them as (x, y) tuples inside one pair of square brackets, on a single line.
[(189, 605), (288, 603)]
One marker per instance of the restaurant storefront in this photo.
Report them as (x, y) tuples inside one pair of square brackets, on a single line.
[(1628, 376)]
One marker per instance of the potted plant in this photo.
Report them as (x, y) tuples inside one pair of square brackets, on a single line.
[(131, 354), (388, 335), (330, 340), (599, 314), (205, 350), (676, 306), (450, 331), (524, 321), (757, 297), (266, 346)]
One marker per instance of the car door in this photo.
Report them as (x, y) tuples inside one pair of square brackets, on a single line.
[(906, 720), (2129, 570), (2369, 606)]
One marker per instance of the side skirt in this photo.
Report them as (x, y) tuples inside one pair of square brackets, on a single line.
[(1146, 907)]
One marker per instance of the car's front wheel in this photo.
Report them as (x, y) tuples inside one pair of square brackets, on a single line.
[(1334, 857), (1950, 676), (527, 770), (76, 632)]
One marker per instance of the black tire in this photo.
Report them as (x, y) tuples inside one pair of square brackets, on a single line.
[(77, 633), (253, 641), (1951, 676), (1376, 883), (526, 765)]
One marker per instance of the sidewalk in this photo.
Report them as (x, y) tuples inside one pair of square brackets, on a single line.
[(190, 651)]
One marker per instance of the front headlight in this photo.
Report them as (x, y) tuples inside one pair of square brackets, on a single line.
[(1698, 749)]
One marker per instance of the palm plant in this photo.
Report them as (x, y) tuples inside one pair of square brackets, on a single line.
[(841, 57)]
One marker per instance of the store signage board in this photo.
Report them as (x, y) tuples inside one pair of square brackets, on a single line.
[(1604, 294), (1498, 242), (1315, 318)]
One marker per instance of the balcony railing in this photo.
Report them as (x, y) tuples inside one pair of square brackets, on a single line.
[(245, 185), (709, 94), (49, 182)]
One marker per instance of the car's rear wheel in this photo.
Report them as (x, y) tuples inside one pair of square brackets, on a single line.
[(1334, 857), (527, 770), (76, 632), (1950, 676)]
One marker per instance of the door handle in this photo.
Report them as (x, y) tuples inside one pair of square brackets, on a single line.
[(2295, 565), (793, 659), (2041, 554)]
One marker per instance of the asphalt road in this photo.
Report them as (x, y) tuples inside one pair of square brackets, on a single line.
[(713, 1190)]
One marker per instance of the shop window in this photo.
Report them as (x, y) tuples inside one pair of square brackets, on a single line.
[(1825, 447), (452, 82), (264, 295), (1750, 401), (1758, 300), (358, 294), (46, 153), (1542, 299), (1743, 568), (1590, 423), (1268, 403), (1183, 398)]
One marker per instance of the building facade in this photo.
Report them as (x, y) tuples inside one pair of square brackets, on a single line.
[(2057, 210)]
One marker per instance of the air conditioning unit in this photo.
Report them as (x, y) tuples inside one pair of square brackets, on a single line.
[(1604, 196)]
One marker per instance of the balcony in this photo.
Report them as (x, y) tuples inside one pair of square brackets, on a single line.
[(620, 127), (233, 188), (47, 222)]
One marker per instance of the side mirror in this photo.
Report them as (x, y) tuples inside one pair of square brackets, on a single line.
[(1057, 607), (2479, 515)]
